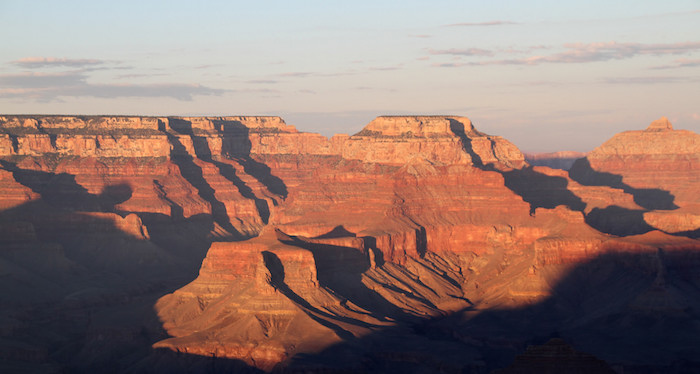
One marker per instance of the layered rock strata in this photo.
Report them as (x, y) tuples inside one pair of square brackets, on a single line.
[(414, 238), (424, 193), (659, 167)]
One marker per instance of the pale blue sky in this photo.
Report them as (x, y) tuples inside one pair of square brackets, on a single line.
[(548, 75)]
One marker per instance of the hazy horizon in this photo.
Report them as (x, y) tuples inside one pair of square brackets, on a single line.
[(547, 77)]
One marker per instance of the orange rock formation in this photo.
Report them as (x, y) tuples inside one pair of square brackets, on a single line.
[(320, 254)]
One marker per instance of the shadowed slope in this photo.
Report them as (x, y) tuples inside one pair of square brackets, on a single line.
[(648, 198), (79, 280)]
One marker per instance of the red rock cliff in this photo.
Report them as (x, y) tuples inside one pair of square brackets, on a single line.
[(316, 243)]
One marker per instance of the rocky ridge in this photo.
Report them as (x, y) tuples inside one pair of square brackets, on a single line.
[(393, 243)]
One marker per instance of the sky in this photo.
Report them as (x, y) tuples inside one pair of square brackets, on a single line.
[(546, 75)]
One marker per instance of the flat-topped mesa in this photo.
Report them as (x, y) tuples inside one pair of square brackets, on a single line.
[(658, 139), (230, 124), (416, 126), (659, 166), (83, 136), (135, 136), (80, 125), (241, 136), (54, 124), (434, 139)]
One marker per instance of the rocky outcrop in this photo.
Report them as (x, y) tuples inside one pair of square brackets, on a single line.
[(13, 192), (437, 139), (282, 250), (657, 166), (83, 136)]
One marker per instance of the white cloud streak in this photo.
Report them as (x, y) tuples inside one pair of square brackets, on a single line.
[(50, 86), (680, 63), (462, 52), (44, 62), (644, 80), (592, 52), (478, 24)]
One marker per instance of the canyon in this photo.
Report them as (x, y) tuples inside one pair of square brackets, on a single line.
[(419, 244)]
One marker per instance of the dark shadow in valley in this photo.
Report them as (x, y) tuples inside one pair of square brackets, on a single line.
[(337, 232), (693, 234), (236, 144), (79, 286), (544, 191), (63, 192), (276, 269), (541, 190), (458, 129), (637, 312), (372, 250), (166, 361), (340, 269), (618, 221), (195, 175), (537, 189), (421, 241), (80, 283), (647, 198)]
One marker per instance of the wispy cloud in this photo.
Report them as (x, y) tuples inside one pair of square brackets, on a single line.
[(680, 63), (592, 52), (262, 81), (42, 80), (140, 75), (544, 83), (177, 91), (462, 52), (308, 74), (51, 86), (207, 66), (644, 80), (386, 68), (44, 62), (486, 23), (450, 64), (581, 52), (297, 74)]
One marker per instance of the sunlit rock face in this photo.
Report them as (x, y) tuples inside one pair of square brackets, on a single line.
[(442, 140), (659, 166), (419, 244)]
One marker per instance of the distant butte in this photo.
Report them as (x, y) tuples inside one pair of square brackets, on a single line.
[(419, 244)]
